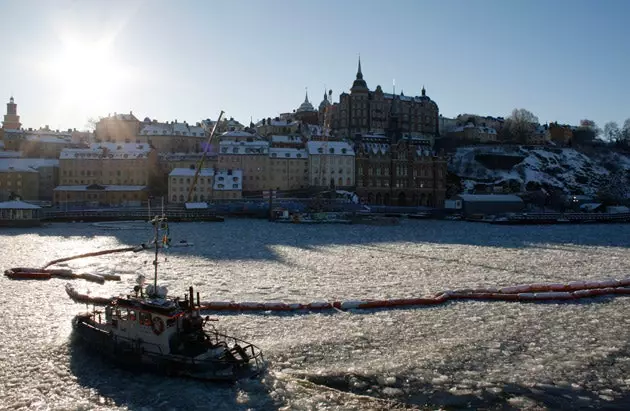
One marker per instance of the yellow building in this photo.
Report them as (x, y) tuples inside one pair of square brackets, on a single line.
[(210, 186), (118, 173), (170, 161), (100, 195), (45, 144), (172, 137), (121, 128), (331, 163), (288, 168), (18, 180), (277, 126), (252, 157), (474, 133)]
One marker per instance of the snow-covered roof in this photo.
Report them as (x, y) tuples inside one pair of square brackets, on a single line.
[(33, 163), (172, 129), (10, 154), (279, 123), (278, 152), (18, 205), (340, 148), (237, 133), (188, 172), (416, 99), (15, 168), (100, 188), (114, 151), (286, 139), (244, 147), (504, 198), (228, 180), (124, 117)]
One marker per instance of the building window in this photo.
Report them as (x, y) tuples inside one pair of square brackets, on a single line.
[(234, 185)]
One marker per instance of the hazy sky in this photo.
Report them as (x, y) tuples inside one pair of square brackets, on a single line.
[(67, 60)]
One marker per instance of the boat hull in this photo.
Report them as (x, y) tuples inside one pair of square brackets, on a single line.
[(132, 354)]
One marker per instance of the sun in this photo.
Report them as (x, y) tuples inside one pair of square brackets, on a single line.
[(85, 71)]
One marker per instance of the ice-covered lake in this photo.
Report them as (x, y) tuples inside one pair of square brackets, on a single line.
[(493, 355)]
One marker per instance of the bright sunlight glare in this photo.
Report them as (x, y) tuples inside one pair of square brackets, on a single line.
[(85, 71)]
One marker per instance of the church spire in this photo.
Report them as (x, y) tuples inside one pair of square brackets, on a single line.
[(306, 97), (359, 74)]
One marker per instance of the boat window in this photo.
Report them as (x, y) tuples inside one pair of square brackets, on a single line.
[(123, 314), (144, 318), (132, 315)]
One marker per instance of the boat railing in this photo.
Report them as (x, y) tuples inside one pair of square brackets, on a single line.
[(253, 352)]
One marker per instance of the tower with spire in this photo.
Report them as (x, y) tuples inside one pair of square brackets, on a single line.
[(11, 119), (359, 86)]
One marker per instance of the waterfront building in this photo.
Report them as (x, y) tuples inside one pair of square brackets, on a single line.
[(288, 168), (405, 172), (252, 157), (331, 164), (47, 178), (107, 172), (17, 213), (18, 180), (212, 184), (100, 195)]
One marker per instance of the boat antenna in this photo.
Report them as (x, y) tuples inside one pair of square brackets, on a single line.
[(156, 222)]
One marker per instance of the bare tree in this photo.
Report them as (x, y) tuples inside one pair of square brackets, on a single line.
[(611, 131), (91, 123), (625, 130), (522, 124)]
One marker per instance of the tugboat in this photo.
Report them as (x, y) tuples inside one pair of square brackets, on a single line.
[(150, 330)]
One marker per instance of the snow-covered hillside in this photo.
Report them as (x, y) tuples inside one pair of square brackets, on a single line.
[(524, 168)]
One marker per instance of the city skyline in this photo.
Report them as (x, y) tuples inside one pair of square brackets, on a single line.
[(187, 61)]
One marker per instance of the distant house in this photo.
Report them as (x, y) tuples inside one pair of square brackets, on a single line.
[(17, 213), (489, 204)]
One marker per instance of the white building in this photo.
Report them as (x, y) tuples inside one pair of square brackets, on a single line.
[(330, 163)]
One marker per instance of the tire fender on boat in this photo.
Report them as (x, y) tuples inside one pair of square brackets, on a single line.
[(158, 325)]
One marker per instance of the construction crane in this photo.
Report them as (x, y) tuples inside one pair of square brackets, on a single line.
[(203, 157), (323, 162)]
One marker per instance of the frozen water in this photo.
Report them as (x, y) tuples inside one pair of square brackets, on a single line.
[(461, 354)]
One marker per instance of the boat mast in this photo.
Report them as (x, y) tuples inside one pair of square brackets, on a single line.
[(156, 221)]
